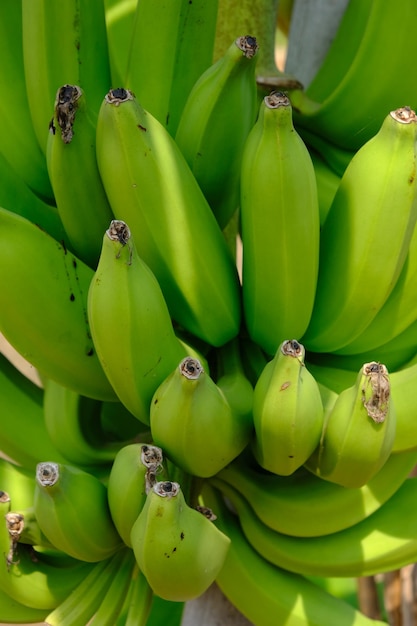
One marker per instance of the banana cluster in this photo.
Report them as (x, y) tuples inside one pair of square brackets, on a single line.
[(201, 417)]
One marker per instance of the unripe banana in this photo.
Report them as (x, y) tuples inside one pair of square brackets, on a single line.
[(215, 122), (72, 510), (280, 227), (359, 432), (135, 469), (44, 315), (130, 322), (288, 411), (151, 187), (232, 380), (194, 423), (366, 235), (179, 549), (174, 40), (72, 165)]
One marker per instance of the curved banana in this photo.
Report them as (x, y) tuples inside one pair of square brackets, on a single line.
[(288, 411), (382, 542), (397, 313), (304, 505), (72, 511), (18, 143), (380, 175), (233, 381), (23, 422), (45, 312), (327, 183), (266, 594), (135, 469), (279, 218), (14, 612), (96, 600), (151, 187), (63, 44), (359, 433), (146, 349), (73, 423), (35, 578), (119, 16), (215, 122), (139, 601), (194, 423), (16, 196), (79, 194), (174, 40), (179, 549), (351, 94)]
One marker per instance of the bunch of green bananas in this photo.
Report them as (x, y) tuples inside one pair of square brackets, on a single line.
[(202, 419)]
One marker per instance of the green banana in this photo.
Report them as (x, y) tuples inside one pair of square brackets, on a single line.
[(223, 98), (34, 578), (194, 423), (327, 183), (174, 40), (18, 143), (380, 175), (72, 511), (23, 434), (71, 156), (13, 612), (86, 599), (275, 208), (111, 602), (63, 43), (179, 550), (135, 469), (397, 313), (151, 187), (288, 411), (382, 542), (359, 433), (119, 16), (73, 423), (45, 312), (23, 528), (268, 595), (234, 382), (139, 355), (137, 607), (351, 93), (304, 505), (403, 392), (16, 196)]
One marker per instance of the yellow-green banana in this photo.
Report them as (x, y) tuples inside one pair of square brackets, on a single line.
[(327, 183), (179, 550), (215, 122), (72, 165), (119, 16), (364, 241), (130, 322), (135, 469), (18, 143), (234, 382), (268, 595), (23, 420), (139, 599), (194, 423), (72, 510), (96, 597), (173, 40), (63, 43), (382, 542), (359, 432), (304, 505), (35, 578), (151, 187), (44, 315), (14, 612), (350, 88), (279, 219), (288, 411), (74, 424)]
